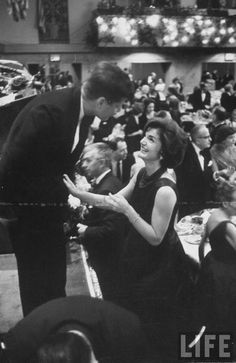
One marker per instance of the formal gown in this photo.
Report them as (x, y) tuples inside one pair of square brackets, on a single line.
[(217, 284), (155, 278)]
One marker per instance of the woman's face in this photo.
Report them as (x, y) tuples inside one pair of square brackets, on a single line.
[(150, 108), (150, 145), (230, 140)]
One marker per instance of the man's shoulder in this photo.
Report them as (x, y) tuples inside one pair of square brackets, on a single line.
[(58, 97), (129, 159), (190, 149), (189, 157), (65, 101), (110, 183)]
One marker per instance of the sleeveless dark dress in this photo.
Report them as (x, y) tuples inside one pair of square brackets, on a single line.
[(155, 278), (217, 283)]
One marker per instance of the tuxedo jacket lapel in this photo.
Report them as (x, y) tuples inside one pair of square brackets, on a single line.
[(75, 112), (194, 160), (84, 127)]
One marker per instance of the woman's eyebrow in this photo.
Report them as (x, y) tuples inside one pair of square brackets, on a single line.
[(152, 137)]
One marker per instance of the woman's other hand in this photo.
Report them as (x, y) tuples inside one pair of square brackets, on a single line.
[(70, 185), (118, 203)]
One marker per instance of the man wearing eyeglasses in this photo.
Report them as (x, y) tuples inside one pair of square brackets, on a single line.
[(194, 175)]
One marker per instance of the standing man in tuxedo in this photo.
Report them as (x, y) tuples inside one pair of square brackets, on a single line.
[(122, 161), (194, 174), (102, 231), (45, 142)]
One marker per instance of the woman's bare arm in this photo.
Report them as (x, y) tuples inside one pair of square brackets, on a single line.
[(99, 200), (161, 214)]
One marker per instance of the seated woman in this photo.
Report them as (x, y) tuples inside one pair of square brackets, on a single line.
[(154, 267), (148, 112), (223, 151), (216, 290)]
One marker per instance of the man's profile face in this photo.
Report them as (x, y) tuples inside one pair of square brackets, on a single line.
[(91, 164), (203, 139), (105, 108), (122, 150)]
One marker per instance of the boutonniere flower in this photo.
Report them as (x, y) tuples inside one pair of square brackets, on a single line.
[(210, 163)]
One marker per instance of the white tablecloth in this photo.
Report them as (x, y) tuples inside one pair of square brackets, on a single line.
[(190, 230)]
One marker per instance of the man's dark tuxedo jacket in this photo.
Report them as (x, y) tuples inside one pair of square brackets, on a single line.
[(126, 167), (194, 185), (38, 149), (196, 100), (114, 332), (105, 233), (133, 142), (226, 101)]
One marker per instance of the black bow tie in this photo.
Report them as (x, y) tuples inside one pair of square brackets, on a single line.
[(93, 184)]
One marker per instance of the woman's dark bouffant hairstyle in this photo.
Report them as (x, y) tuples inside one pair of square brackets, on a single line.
[(174, 141), (147, 102)]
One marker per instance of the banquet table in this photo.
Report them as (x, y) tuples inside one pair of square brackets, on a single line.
[(190, 230)]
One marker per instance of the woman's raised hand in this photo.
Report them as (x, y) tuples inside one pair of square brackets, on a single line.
[(70, 185)]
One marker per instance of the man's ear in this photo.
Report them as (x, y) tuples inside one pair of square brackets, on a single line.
[(101, 162), (225, 204)]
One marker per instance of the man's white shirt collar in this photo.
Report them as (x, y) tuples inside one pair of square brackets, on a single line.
[(81, 115), (200, 157), (98, 179)]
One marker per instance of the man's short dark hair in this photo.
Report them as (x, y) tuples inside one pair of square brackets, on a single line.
[(220, 113), (63, 347), (113, 144), (109, 81)]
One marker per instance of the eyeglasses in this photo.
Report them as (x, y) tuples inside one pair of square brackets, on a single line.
[(204, 137)]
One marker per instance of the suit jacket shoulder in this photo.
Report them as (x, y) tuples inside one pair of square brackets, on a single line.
[(109, 184)]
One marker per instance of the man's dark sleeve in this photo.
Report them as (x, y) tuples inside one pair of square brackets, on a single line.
[(30, 169)]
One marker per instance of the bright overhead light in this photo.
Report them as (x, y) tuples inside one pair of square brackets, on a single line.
[(99, 20), (104, 27), (153, 20)]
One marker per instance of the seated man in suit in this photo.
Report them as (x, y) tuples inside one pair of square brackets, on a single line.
[(200, 98), (122, 162), (226, 99), (101, 232), (76, 329), (219, 118), (194, 174)]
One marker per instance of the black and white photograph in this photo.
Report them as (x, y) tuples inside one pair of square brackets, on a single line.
[(117, 181)]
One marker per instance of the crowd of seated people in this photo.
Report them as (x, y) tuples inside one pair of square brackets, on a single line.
[(199, 108), (157, 172)]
